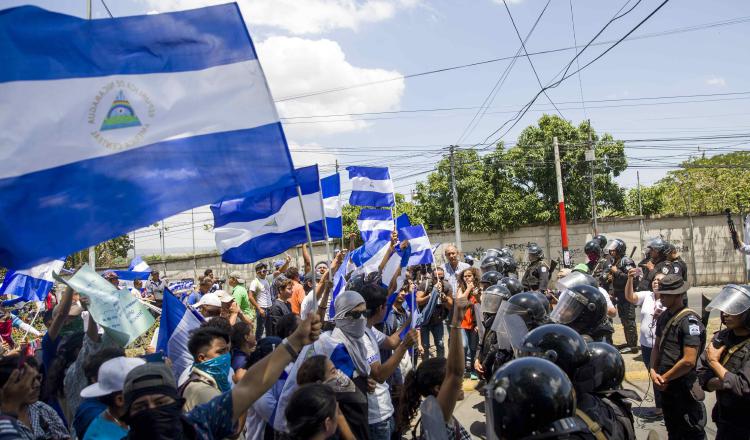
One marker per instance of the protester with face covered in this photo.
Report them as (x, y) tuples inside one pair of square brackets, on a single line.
[(91, 407), (209, 375)]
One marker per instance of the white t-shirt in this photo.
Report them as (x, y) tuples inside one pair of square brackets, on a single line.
[(606, 297), (379, 405), (262, 290), (310, 305), (649, 306), (450, 274)]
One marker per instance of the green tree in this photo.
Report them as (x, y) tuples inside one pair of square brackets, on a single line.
[(114, 251), (350, 214), (508, 188), (652, 200)]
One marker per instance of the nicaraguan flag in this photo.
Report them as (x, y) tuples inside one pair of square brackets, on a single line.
[(30, 284), (138, 270), (402, 221), (175, 325), (339, 284), (261, 226), (331, 188), (367, 258), (421, 249), (371, 186), (375, 222), (109, 125)]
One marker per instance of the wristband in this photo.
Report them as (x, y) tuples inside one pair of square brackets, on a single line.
[(289, 349)]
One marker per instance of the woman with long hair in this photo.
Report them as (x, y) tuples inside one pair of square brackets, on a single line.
[(434, 388), (312, 412), (469, 286)]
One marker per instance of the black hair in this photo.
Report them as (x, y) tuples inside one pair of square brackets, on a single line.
[(292, 273), (219, 322), (240, 330), (308, 409), (260, 266), (67, 352), (92, 364), (203, 337), (312, 370), (374, 295), (109, 399), (207, 271), (10, 363), (418, 383), (286, 325)]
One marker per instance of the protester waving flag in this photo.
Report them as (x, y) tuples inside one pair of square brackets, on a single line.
[(375, 222), (176, 323), (261, 226), (339, 283), (125, 121), (421, 249), (371, 186), (331, 188), (138, 270), (30, 284)]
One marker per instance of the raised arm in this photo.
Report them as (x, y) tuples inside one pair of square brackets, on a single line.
[(450, 390), (629, 291), (306, 258), (381, 372), (61, 312)]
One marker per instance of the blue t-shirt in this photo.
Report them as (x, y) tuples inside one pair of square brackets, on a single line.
[(87, 411), (103, 429), (192, 298)]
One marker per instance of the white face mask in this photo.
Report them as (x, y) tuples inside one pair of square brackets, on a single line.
[(354, 328)]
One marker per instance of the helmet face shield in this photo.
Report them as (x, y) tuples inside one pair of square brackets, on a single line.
[(732, 300), (510, 326), (575, 279), (490, 302), (568, 308)]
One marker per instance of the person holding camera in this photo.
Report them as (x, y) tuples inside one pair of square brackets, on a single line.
[(435, 300)]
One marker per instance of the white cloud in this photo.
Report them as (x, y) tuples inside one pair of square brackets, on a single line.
[(310, 154), (297, 66), (716, 81), (300, 17)]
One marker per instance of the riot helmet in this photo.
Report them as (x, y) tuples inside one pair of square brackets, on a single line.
[(627, 263), (469, 259), (618, 246), (582, 308), (558, 344), (529, 397), (544, 300), (492, 252), (490, 263), (660, 247), (592, 250), (732, 300), (513, 284), (608, 366), (576, 278), (534, 309), (505, 252), (490, 277), (602, 240), (534, 252), (492, 297), (508, 265)]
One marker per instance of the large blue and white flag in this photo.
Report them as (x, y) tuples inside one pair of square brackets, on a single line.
[(30, 284), (261, 226), (371, 186), (110, 125), (367, 258), (138, 270), (375, 222), (175, 325), (331, 188), (421, 249)]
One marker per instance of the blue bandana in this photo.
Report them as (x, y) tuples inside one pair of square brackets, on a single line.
[(218, 368)]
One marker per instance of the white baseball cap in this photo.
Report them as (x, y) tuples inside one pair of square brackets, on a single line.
[(209, 299), (111, 376)]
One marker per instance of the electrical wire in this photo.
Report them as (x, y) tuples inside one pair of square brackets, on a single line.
[(578, 64)]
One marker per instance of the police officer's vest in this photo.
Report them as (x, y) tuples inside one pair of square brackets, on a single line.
[(734, 355), (594, 427), (673, 323), (531, 279)]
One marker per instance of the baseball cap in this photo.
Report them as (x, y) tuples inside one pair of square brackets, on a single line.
[(111, 376), (672, 285), (209, 299), (224, 296), (149, 378), (237, 276), (278, 263)]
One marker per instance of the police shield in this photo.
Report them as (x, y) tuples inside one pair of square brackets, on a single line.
[(732, 300), (569, 305), (509, 326)]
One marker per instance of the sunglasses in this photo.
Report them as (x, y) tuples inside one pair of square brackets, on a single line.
[(262, 270), (355, 315)]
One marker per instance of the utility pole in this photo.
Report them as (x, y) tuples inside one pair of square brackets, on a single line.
[(591, 158), (561, 206), (455, 199)]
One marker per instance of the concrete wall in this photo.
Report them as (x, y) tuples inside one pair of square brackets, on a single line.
[(715, 261)]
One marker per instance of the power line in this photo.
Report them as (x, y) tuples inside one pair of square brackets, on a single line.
[(578, 65), (107, 8)]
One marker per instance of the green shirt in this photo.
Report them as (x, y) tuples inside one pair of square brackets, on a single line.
[(239, 292)]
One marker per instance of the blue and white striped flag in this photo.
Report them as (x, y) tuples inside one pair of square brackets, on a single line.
[(175, 325), (331, 188), (339, 283), (110, 125), (368, 257), (261, 226), (30, 284), (138, 270), (371, 186), (375, 222), (421, 249)]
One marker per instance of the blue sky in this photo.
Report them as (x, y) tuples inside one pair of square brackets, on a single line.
[(312, 45)]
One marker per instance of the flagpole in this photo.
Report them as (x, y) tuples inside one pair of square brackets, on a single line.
[(309, 236), (325, 231)]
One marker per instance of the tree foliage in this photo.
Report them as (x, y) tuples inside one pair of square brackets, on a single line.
[(508, 188), (107, 253), (350, 214)]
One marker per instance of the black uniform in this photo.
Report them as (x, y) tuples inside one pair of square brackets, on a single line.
[(733, 400), (662, 266), (536, 276), (684, 413), (603, 414), (625, 309)]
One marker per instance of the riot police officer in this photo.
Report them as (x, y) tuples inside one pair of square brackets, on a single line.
[(536, 276), (608, 373), (655, 262), (618, 273), (490, 263), (582, 307), (725, 365), (492, 297), (680, 338), (532, 398), (490, 278), (512, 284), (508, 265), (601, 239)]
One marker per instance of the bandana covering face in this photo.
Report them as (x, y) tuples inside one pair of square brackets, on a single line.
[(218, 368), (350, 331)]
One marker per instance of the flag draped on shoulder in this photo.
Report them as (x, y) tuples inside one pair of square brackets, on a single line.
[(261, 226), (138, 270), (371, 186), (30, 284), (421, 249), (331, 189), (176, 322), (125, 121)]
